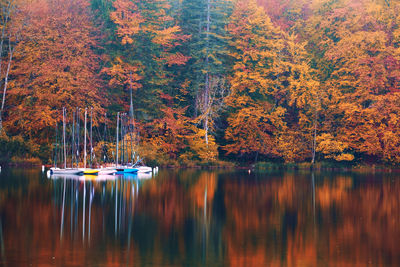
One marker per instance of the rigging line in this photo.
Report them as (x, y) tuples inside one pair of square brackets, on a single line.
[(73, 139), (55, 147), (104, 148), (105, 127), (78, 159), (110, 135), (98, 135)]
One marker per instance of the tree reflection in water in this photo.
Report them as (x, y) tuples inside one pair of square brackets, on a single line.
[(201, 218)]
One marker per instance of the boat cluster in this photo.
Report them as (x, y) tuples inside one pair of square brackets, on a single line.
[(103, 171), (108, 173), (132, 168)]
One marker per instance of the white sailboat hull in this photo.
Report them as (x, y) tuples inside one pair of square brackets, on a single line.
[(65, 171), (144, 169), (107, 171)]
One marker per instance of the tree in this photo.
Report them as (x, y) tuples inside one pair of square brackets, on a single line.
[(175, 136), (55, 67), (303, 98), (361, 71), (8, 40), (275, 97), (255, 43), (205, 21), (148, 36)]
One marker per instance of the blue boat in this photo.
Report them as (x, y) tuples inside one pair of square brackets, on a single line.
[(125, 169), (130, 170)]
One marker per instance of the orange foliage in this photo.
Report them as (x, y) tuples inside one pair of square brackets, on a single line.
[(55, 66), (362, 108), (255, 44), (175, 136), (149, 18), (275, 97), (122, 73)]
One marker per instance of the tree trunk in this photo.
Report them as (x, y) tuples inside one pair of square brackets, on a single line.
[(6, 16), (314, 144), (207, 82), (11, 52)]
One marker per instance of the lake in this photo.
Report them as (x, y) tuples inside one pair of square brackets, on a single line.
[(200, 218)]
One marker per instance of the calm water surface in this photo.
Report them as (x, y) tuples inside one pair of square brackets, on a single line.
[(200, 218)]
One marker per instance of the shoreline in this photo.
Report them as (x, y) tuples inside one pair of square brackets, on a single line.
[(254, 167)]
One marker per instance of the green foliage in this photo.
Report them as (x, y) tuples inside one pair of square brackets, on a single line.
[(17, 149)]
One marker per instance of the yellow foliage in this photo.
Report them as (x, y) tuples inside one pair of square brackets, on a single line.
[(344, 157), (205, 152), (330, 147), (291, 147)]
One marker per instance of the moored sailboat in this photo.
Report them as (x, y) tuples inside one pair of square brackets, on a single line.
[(121, 168), (87, 171), (144, 169), (65, 170), (55, 170), (107, 171)]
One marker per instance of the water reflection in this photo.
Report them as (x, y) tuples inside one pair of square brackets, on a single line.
[(108, 195), (2, 249), (200, 218)]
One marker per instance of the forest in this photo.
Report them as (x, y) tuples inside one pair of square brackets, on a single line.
[(204, 81)]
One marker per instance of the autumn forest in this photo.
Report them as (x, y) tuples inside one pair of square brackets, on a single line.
[(205, 80)]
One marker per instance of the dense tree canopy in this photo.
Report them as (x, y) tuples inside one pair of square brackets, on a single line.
[(288, 81)]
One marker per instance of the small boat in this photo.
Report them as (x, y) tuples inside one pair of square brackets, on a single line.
[(131, 170), (126, 169), (90, 171), (107, 171), (144, 169), (66, 171)]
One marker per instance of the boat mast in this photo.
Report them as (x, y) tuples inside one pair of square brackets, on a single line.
[(122, 140), (73, 140), (91, 136), (125, 141), (116, 164), (84, 141), (56, 147), (131, 119), (105, 138), (65, 150), (77, 135)]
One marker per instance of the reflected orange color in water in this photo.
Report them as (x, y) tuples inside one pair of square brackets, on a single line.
[(333, 192), (205, 186), (201, 218)]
